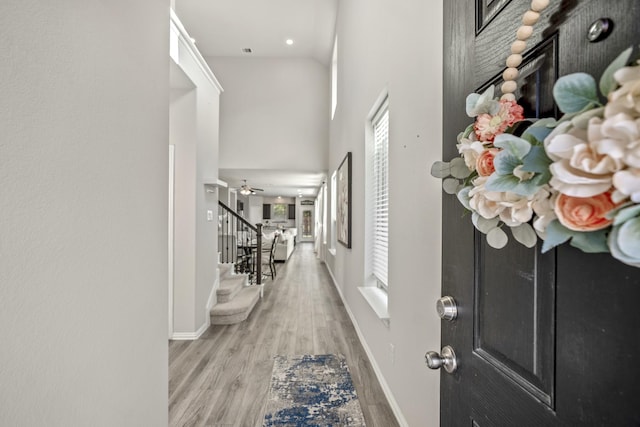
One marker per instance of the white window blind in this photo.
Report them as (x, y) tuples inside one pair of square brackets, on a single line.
[(380, 184)]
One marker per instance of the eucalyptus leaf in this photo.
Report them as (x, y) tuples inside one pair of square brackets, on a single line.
[(629, 238), (548, 122), (536, 161), (513, 184), (497, 182), (450, 185), (501, 182), (607, 82), (504, 163), (539, 133), (497, 238), (525, 234), (574, 92), (515, 145), (556, 234), (478, 104), (486, 225), (617, 252), (463, 196), (626, 214), (474, 219), (591, 242), (440, 169), (459, 168)]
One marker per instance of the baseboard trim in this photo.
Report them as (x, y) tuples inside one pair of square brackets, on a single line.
[(190, 336), (376, 369)]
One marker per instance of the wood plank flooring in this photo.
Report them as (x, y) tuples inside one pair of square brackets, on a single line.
[(222, 379)]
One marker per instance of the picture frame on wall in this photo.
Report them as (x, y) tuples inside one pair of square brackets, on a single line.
[(343, 210)]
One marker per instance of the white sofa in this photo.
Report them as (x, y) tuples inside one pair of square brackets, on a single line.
[(285, 244)]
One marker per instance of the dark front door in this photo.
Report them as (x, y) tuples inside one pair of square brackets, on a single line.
[(541, 340)]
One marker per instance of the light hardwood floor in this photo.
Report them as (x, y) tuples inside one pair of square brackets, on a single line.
[(222, 379)]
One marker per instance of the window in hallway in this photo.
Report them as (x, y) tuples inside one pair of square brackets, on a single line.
[(334, 78), (378, 189)]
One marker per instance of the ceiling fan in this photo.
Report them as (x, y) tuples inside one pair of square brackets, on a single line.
[(246, 189)]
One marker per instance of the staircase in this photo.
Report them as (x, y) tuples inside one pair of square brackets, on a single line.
[(236, 298)]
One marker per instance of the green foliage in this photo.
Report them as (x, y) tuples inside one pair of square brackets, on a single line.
[(497, 238), (525, 234), (574, 92), (513, 184), (516, 146), (607, 82), (459, 168), (440, 169), (591, 242)]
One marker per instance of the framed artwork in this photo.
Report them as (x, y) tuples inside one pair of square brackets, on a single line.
[(343, 210)]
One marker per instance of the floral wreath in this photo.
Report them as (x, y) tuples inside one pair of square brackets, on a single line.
[(575, 179)]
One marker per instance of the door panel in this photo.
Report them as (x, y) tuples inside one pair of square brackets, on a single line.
[(541, 340), (514, 316)]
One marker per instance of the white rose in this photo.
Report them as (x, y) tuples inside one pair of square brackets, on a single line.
[(618, 137), (626, 99), (542, 204), (487, 208), (470, 148), (513, 209), (627, 182), (580, 170)]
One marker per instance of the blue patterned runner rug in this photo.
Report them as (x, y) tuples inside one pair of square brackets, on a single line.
[(312, 391)]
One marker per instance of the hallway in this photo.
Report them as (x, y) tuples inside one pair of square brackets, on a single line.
[(222, 379)]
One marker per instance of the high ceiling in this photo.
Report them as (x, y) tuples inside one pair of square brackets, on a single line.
[(226, 27), (223, 28)]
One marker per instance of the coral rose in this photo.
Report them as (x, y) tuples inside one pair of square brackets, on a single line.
[(484, 162), (584, 213)]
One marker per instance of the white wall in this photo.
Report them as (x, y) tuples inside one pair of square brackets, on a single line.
[(253, 209), (194, 115), (275, 109), (395, 46), (83, 183)]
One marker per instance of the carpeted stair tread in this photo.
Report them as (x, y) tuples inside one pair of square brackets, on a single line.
[(237, 309), (225, 269), (230, 286)]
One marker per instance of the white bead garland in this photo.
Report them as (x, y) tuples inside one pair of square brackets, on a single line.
[(529, 19)]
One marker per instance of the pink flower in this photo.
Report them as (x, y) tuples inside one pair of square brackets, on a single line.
[(484, 162), (584, 213), (487, 126)]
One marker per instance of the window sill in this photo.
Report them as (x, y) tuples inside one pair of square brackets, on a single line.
[(332, 251), (378, 300)]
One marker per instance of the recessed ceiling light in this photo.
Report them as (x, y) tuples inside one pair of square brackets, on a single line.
[(289, 42), (247, 50)]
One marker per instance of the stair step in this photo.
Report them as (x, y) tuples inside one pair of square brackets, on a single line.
[(230, 286), (225, 268), (237, 309)]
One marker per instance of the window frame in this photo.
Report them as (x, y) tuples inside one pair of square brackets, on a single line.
[(377, 203)]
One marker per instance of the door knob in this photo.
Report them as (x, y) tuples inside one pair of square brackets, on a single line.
[(447, 308), (446, 359)]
